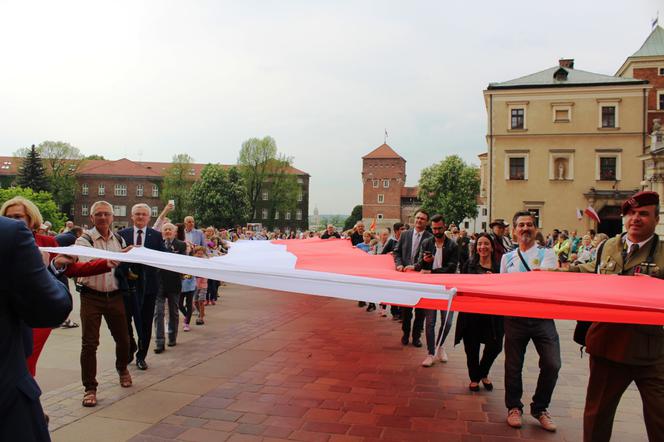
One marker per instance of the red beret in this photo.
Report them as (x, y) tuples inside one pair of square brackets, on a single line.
[(640, 199)]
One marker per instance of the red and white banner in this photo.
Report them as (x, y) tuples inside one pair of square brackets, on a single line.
[(334, 268), (592, 214)]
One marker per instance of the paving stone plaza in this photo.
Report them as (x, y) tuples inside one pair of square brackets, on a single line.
[(274, 366)]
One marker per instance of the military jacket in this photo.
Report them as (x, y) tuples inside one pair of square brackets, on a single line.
[(627, 343)]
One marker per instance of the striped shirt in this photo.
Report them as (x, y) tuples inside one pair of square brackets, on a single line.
[(106, 282), (538, 258)]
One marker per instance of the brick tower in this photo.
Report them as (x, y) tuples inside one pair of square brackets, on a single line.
[(383, 178)]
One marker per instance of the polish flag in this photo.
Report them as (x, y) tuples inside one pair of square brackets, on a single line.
[(590, 213), (372, 227), (332, 267)]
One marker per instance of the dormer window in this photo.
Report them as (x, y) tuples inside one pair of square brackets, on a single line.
[(560, 75)]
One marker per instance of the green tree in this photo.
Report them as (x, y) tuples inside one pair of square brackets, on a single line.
[(62, 163), (263, 167), (178, 181), (31, 174), (355, 216), (450, 188), (43, 200), (219, 198), (95, 157)]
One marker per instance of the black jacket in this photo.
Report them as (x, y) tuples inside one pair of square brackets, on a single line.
[(450, 255), (171, 282), (30, 295), (402, 251), (390, 245), (148, 281)]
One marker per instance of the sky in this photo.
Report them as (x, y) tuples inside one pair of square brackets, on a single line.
[(146, 80)]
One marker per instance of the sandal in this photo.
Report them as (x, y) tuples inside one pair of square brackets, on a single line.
[(125, 379), (90, 398)]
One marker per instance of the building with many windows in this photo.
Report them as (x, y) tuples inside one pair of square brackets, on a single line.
[(124, 183), (564, 139)]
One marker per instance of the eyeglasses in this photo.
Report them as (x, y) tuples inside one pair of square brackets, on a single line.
[(17, 216)]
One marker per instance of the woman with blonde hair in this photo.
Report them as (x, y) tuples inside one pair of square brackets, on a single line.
[(23, 209)]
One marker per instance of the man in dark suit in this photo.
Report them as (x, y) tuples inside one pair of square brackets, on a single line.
[(29, 295), (144, 283), (405, 254), (171, 285)]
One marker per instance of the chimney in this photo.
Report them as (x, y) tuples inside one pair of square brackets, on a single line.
[(566, 63)]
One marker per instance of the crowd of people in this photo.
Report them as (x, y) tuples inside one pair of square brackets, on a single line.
[(135, 300)]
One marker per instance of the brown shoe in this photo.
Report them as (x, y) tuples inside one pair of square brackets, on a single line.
[(545, 421), (514, 418)]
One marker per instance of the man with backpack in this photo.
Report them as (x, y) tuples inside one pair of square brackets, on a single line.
[(529, 256)]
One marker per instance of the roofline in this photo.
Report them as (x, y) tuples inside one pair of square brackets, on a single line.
[(635, 58), (558, 86)]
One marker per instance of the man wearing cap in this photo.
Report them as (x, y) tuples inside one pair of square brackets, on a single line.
[(501, 243), (624, 353)]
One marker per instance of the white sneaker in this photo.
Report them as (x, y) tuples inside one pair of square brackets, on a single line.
[(428, 361), (442, 355)]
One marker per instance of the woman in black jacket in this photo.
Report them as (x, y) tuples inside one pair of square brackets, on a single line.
[(476, 329)]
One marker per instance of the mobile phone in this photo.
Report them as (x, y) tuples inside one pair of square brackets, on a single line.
[(171, 202)]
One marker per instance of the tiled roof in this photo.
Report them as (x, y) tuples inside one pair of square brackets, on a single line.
[(382, 151), (654, 44), (122, 167), (575, 77), (409, 192)]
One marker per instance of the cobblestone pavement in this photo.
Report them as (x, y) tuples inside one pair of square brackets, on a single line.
[(276, 366)]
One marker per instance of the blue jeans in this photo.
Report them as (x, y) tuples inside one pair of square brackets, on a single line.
[(518, 332), (430, 328)]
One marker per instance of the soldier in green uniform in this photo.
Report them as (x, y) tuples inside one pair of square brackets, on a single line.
[(624, 353)]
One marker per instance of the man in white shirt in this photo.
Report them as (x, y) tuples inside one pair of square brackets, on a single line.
[(519, 331)]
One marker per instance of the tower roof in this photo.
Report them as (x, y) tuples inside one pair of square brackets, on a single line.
[(654, 44), (382, 151)]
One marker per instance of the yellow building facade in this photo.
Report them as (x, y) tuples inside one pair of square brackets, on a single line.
[(561, 140)]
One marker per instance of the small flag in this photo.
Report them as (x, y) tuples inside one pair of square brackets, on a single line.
[(372, 227), (654, 21), (579, 214), (590, 213)]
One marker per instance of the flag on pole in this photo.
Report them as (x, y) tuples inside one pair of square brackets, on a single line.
[(579, 214), (654, 21), (590, 213), (372, 227)]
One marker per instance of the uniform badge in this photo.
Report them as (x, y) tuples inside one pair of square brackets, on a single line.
[(536, 262)]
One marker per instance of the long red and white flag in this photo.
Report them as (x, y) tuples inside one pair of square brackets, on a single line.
[(335, 268)]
